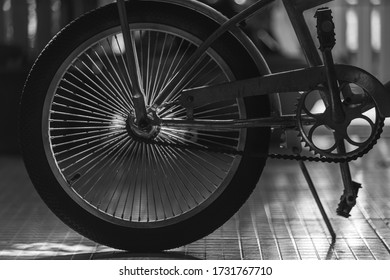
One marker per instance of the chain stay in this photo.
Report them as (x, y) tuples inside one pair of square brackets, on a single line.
[(274, 156)]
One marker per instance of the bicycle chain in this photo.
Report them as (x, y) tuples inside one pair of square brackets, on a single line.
[(346, 158), (296, 157)]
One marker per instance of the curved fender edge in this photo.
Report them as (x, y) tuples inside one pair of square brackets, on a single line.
[(379, 92)]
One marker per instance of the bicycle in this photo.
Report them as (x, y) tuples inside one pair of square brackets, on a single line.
[(145, 125)]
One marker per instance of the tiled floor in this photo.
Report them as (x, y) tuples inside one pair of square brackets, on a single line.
[(280, 221)]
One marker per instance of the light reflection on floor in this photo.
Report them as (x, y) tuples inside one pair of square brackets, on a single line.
[(280, 220)]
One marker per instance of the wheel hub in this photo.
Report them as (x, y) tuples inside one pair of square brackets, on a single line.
[(145, 130)]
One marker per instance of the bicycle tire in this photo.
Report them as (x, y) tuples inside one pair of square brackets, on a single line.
[(53, 102)]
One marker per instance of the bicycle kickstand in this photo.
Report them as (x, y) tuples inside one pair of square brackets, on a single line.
[(313, 190), (326, 36)]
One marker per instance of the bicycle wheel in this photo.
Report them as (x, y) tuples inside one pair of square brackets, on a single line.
[(90, 168)]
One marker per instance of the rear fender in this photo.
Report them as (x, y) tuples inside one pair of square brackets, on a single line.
[(379, 92)]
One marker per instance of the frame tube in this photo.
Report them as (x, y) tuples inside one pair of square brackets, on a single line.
[(131, 59)]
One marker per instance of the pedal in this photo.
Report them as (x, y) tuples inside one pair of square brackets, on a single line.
[(325, 29), (347, 202)]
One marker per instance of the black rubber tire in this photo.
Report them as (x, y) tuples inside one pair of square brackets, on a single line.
[(87, 224)]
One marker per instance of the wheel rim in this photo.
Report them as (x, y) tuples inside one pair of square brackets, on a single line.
[(101, 166)]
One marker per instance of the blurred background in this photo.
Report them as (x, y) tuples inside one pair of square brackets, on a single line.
[(26, 26)]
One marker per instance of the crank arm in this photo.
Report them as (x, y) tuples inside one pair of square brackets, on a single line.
[(351, 189), (218, 125)]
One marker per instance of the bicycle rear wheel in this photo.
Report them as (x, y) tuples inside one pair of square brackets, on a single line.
[(100, 177)]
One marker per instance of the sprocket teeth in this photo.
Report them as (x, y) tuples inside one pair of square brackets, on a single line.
[(297, 112)]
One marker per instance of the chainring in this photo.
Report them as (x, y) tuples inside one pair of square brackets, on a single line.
[(323, 136)]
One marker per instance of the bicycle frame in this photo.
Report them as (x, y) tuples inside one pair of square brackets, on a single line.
[(271, 85)]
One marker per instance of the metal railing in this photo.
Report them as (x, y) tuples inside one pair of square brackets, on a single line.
[(30, 24), (363, 34)]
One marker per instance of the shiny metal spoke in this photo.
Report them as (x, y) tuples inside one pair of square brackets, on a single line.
[(169, 66), (116, 176), (166, 203), (202, 170), (113, 71), (95, 169), (92, 117), (127, 182), (175, 187), (181, 139), (92, 98), (123, 97), (121, 50), (112, 98), (98, 94), (151, 61), (205, 76), (150, 187), (79, 122), (110, 85), (178, 63), (77, 150), (105, 146), (172, 112), (82, 134), (208, 162), (185, 187), (136, 186), (121, 76), (121, 179), (80, 107), (109, 72), (96, 138), (193, 81), (160, 67), (107, 174)]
